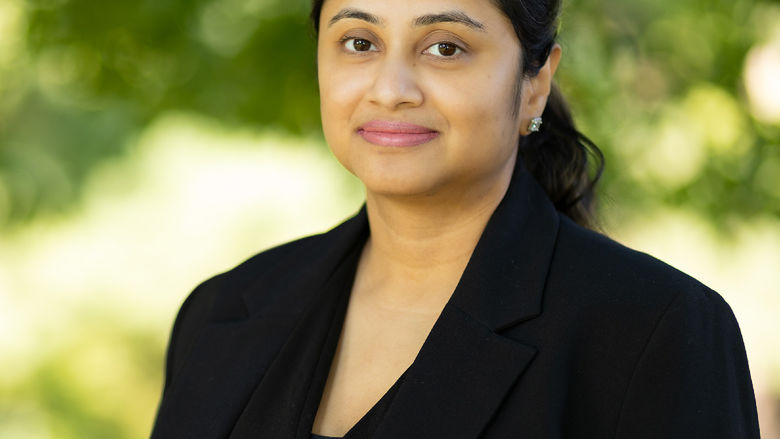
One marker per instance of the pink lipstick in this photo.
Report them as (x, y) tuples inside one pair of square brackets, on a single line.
[(392, 133)]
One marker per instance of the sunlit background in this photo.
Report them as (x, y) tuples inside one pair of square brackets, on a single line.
[(146, 145)]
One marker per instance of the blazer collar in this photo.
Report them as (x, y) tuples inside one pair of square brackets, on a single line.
[(295, 282), (501, 286), (504, 280), (233, 353)]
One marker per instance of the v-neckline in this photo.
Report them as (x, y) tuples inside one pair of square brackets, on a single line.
[(371, 419), (344, 279)]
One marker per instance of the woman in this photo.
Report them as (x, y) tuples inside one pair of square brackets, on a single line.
[(465, 299)]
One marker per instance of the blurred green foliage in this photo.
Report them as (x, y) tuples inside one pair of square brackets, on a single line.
[(657, 84), (87, 76)]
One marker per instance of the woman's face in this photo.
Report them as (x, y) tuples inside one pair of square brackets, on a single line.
[(417, 97)]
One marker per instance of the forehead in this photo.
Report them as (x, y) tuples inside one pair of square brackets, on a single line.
[(415, 12)]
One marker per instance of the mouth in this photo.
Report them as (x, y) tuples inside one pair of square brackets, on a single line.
[(394, 133)]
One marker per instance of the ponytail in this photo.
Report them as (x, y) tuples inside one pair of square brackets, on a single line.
[(559, 157)]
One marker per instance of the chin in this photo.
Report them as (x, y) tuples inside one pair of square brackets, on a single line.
[(399, 184)]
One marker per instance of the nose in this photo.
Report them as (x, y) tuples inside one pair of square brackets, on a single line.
[(395, 85)]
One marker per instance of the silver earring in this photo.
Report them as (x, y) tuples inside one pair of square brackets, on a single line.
[(535, 125)]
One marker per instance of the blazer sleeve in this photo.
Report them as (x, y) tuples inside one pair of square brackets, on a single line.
[(692, 379)]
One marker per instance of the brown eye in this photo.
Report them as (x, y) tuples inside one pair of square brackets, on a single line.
[(358, 45), (361, 45), (443, 50), (447, 49)]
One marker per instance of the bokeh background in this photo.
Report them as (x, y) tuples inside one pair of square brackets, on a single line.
[(146, 145)]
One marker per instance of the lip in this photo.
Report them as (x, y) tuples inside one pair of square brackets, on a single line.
[(395, 133)]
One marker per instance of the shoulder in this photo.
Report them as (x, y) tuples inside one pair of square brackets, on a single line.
[(219, 297), (671, 346), (232, 282), (608, 272), (272, 269), (262, 280), (623, 295)]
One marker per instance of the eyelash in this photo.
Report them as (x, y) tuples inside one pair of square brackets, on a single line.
[(458, 49)]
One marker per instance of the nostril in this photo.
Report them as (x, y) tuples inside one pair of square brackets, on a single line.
[(396, 85)]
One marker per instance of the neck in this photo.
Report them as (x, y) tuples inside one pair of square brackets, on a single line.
[(418, 249)]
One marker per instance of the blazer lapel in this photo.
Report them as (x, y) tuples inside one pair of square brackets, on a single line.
[(466, 367), (284, 396), (457, 381), (230, 357), (221, 371)]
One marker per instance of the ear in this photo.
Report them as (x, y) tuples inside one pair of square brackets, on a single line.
[(537, 89)]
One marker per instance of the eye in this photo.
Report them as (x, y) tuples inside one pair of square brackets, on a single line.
[(443, 50), (358, 45)]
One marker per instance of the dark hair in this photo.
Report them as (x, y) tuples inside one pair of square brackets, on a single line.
[(558, 155)]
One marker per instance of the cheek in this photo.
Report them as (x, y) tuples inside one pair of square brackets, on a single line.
[(478, 106), (342, 84), (341, 90)]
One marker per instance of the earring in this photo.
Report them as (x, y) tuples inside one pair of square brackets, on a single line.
[(535, 125)]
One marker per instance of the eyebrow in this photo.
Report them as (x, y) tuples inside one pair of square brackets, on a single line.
[(354, 13), (449, 17), (454, 16)]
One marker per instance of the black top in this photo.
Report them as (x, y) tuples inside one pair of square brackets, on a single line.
[(368, 423)]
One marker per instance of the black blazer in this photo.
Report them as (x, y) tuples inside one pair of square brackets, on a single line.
[(553, 331)]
